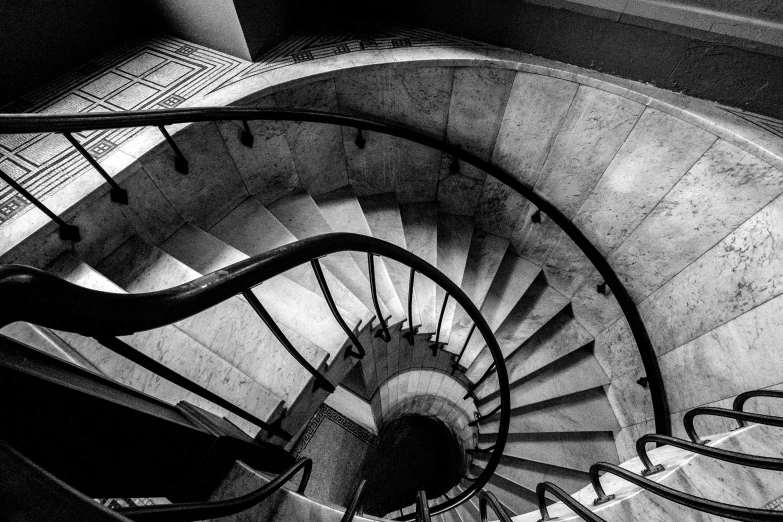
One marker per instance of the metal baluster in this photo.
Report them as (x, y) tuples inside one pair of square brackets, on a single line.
[(319, 275), (478, 382), (383, 332), (455, 365), (320, 380), (482, 418), (434, 346), (409, 335), (356, 502), (130, 353), (118, 194), (422, 507), (180, 163), (67, 232)]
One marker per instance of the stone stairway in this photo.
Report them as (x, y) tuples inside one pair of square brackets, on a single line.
[(561, 418)]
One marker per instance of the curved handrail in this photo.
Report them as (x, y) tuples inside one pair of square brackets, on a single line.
[(51, 302), (687, 421), (191, 511), (489, 498), (716, 453), (742, 398), (422, 507), (580, 510), (356, 501), (33, 123), (701, 504)]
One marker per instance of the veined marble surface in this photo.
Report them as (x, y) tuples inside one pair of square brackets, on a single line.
[(454, 235), (576, 451), (420, 223)]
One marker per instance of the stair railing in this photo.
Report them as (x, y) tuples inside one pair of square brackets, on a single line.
[(356, 502), (51, 302), (487, 498), (422, 507), (690, 416), (70, 123), (192, 511), (742, 398)]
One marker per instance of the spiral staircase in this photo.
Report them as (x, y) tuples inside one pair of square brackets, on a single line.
[(218, 197)]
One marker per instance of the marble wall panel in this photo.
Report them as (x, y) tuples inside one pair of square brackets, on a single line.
[(213, 185), (616, 350), (657, 153), (478, 101), (531, 240), (723, 189), (499, 208), (536, 108), (459, 191), (594, 128), (422, 98), (151, 214), (632, 403), (267, 167), (735, 357), (594, 310), (739, 273), (567, 268), (318, 151)]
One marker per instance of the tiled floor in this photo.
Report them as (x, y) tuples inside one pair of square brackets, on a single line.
[(157, 74)]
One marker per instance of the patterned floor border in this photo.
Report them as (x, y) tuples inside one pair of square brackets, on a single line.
[(326, 412)]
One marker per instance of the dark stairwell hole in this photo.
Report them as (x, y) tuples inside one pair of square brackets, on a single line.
[(416, 452)]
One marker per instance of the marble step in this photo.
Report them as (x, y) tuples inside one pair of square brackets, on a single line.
[(558, 338), (173, 347), (536, 308), (454, 235), (284, 504), (47, 341), (382, 214), (452, 515), (253, 230), (585, 411), (510, 283), (299, 213), (484, 258), (342, 210), (577, 371), (529, 474), (420, 223), (513, 497), (468, 510), (689, 473), (577, 451), (280, 372)]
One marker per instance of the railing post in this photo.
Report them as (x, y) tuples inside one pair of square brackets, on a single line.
[(320, 380), (118, 194), (180, 163), (246, 138), (67, 232), (434, 346), (411, 333), (383, 332), (319, 275)]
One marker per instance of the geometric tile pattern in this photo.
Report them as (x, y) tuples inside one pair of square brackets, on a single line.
[(160, 73), (326, 412), (774, 505)]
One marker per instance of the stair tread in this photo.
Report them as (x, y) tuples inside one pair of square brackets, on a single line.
[(558, 338), (382, 214), (585, 411), (510, 283), (173, 347), (253, 230), (529, 474), (48, 342), (576, 372), (484, 258), (342, 210), (282, 298), (299, 213), (578, 450), (279, 372), (454, 235), (420, 223), (513, 497)]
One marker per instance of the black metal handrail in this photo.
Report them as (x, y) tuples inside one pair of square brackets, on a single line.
[(700, 504), (383, 331), (708, 451), (481, 418), (40, 123), (742, 398), (191, 511), (687, 421), (359, 352), (581, 511), (51, 302), (356, 502), (487, 498), (411, 333), (422, 507)]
